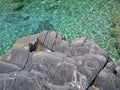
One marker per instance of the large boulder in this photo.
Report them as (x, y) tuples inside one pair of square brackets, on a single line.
[(46, 61), (77, 47), (57, 69), (82, 46)]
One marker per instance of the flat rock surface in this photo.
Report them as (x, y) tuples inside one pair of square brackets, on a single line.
[(79, 65)]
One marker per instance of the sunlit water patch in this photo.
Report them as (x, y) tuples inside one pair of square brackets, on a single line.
[(71, 18)]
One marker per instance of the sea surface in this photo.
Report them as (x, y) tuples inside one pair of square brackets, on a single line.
[(71, 18)]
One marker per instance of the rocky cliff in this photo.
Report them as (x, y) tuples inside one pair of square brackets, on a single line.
[(46, 61)]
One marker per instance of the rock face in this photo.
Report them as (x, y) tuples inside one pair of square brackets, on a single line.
[(109, 76), (79, 65)]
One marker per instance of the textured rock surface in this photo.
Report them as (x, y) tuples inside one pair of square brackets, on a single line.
[(109, 76), (79, 65)]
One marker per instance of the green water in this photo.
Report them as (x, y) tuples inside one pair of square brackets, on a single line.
[(71, 18)]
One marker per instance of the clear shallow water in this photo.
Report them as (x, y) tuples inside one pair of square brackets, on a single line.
[(71, 18)]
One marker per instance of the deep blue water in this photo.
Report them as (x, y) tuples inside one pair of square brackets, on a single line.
[(71, 18)]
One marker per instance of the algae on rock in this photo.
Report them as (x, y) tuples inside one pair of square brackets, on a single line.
[(116, 21), (0, 58), (116, 31)]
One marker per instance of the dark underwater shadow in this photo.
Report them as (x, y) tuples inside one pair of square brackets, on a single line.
[(43, 25)]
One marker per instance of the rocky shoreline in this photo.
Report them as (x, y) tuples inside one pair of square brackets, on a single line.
[(46, 61)]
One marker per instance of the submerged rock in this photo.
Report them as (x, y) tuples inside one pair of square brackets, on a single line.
[(17, 0), (116, 31), (15, 18), (116, 21), (17, 6), (45, 25), (51, 63)]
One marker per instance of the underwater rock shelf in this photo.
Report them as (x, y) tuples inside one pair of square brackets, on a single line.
[(46, 61)]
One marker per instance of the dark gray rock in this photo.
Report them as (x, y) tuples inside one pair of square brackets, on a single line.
[(32, 45), (26, 43), (45, 63), (42, 36), (109, 77), (27, 81), (57, 45), (90, 65), (6, 83), (82, 46), (18, 57), (54, 42), (79, 65), (50, 39), (21, 81), (77, 47), (7, 67), (58, 69), (65, 48)]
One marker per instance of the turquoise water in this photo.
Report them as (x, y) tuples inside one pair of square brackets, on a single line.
[(71, 18)]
